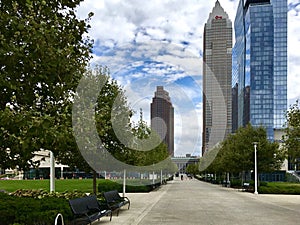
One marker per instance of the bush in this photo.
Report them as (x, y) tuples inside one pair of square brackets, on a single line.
[(32, 211), (280, 188), (42, 194), (35, 207), (131, 186), (235, 183)]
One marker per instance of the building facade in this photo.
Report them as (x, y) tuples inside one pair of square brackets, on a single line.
[(182, 162), (217, 76), (261, 58), (162, 117)]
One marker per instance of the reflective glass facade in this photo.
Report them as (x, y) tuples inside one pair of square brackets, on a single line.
[(235, 88), (261, 55), (239, 59), (280, 61)]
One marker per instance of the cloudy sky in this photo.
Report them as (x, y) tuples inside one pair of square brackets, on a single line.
[(159, 42)]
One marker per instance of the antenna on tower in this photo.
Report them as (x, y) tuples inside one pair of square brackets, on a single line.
[(141, 115)]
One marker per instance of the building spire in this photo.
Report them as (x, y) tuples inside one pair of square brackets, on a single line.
[(141, 115), (218, 13)]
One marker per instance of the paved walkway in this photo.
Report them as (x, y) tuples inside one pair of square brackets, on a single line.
[(198, 203)]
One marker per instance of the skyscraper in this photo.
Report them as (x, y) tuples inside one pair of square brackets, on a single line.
[(261, 58), (217, 57), (162, 117)]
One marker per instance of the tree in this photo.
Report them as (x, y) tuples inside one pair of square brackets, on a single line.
[(292, 132), (102, 128), (43, 53), (210, 162), (100, 111), (241, 150), (236, 154), (149, 147), (192, 169)]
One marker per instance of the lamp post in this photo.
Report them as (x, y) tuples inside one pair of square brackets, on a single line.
[(52, 172), (255, 168), (124, 183)]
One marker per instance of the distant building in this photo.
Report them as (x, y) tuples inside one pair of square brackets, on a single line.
[(182, 162), (217, 57), (162, 117), (261, 64)]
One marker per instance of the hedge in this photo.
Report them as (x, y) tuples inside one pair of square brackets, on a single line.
[(133, 186), (280, 188), (32, 211)]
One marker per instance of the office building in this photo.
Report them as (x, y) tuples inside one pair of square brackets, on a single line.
[(261, 63), (162, 117), (217, 76)]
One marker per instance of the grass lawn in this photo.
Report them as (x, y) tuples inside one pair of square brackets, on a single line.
[(284, 184), (84, 185)]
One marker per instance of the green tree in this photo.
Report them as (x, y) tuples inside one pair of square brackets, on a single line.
[(292, 132), (239, 151), (192, 169), (148, 149), (211, 161), (236, 153), (43, 53), (113, 126)]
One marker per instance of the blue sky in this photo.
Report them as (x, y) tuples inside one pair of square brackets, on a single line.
[(159, 42)]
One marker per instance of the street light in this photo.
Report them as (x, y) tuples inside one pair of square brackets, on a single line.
[(255, 168), (52, 172)]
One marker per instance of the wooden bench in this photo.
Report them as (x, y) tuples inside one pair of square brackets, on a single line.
[(87, 209), (114, 201)]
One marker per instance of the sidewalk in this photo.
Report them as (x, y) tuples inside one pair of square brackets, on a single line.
[(194, 202), (140, 205)]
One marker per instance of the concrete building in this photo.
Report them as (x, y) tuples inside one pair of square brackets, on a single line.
[(260, 55), (182, 162), (162, 117), (217, 76)]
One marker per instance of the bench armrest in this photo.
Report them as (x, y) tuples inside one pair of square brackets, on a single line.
[(94, 208), (125, 198)]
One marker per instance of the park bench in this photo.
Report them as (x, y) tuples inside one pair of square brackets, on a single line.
[(87, 209), (114, 201), (246, 186)]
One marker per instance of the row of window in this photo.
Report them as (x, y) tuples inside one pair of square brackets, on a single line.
[(258, 120), (281, 83)]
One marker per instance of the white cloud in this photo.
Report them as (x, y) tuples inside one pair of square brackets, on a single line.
[(159, 42), (293, 53)]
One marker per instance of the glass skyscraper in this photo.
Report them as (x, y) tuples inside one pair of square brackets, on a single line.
[(261, 63), (280, 61)]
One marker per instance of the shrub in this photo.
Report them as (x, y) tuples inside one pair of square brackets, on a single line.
[(131, 186), (35, 207), (235, 183), (42, 194), (32, 211), (279, 188)]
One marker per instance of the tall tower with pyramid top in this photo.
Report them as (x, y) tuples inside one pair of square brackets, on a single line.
[(217, 65)]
